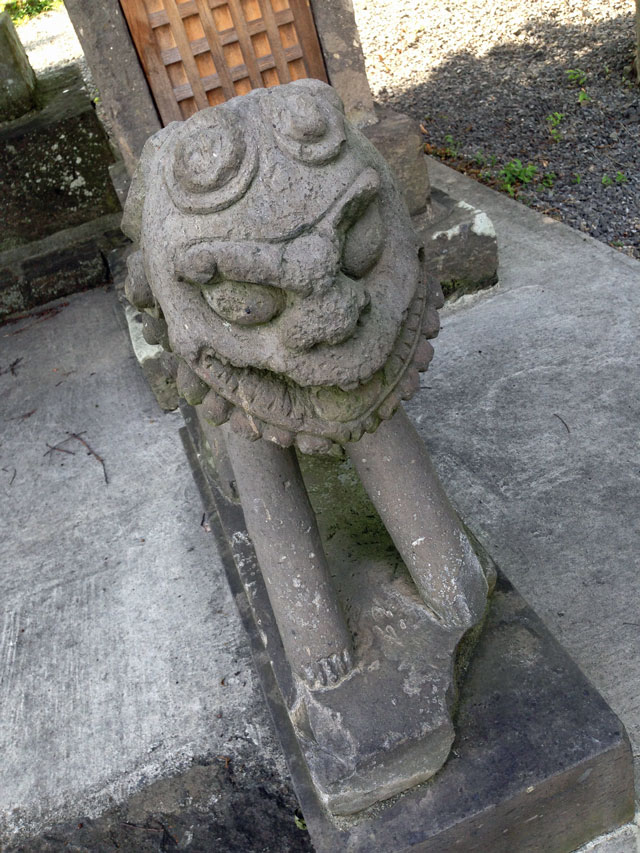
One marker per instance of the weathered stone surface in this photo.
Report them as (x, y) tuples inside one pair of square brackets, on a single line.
[(159, 367), (65, 271), (288, 281), (637, 56), (17, 80), (397, 137), (394, 655), (460, 245), (340, 42), (128, 699), (289, 277), (54, 166), (12, 295), (237, 805)]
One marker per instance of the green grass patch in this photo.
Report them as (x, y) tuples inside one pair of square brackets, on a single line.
[(24, 10)]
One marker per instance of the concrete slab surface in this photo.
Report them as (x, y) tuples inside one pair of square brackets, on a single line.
[(532, 413), (118, 655), (122, 657), (531, 408)]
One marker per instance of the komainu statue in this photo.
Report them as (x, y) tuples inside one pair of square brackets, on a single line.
[(277, 260)]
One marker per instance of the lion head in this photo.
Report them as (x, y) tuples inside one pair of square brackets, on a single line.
[(275, 246)]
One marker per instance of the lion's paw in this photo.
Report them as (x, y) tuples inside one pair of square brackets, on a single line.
[(327, 672)]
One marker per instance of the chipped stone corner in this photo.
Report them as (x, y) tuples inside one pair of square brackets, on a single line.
[(460, 245)]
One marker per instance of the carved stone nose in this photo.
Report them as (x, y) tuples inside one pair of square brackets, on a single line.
[(311, 264), (330, 317), (329, 302)]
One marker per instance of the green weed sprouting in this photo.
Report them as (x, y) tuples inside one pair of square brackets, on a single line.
[(577, 76), (554, 120), (453, 147), (22, 10), (515, 174)]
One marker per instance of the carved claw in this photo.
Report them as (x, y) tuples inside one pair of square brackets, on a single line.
[(327, 672)]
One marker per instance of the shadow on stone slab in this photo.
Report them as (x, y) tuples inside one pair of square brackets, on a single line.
[(539, 760), (217, 804)]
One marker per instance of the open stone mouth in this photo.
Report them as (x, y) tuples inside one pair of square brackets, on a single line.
[(317, 418)]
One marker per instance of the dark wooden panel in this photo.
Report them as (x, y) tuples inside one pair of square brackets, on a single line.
[(206, 51), (151, 61), (225, 37), (306, 29), (239, 72), (187, 57), (214, 44)]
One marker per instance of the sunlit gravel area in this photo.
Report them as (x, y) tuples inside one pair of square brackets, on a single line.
[(51, 41), (537, 98)]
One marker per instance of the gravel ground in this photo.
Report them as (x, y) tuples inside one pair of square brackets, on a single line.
[(484, 77), (51, 42)]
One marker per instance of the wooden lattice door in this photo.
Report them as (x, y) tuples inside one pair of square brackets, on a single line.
[(199, 53)]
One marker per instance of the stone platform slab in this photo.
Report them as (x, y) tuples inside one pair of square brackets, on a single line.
[(539, 761)]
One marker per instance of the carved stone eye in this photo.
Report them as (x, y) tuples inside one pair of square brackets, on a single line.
[(244, 303), (305, 127), (208, 157), (305, 122), (363, 242), (213, 162)]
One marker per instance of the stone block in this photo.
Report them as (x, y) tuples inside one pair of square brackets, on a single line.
[(64, 263), (65, 271), (17, 80), (539, 761), (397, 137), (54, 167), (158, 366), (340, 41), (460, 245)]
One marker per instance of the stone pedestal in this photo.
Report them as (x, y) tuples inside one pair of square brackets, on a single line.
[(397, 137), (460, 244), (539, 761), (59, 210)]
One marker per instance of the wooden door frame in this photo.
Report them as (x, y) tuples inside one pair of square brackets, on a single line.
[(124, 91)]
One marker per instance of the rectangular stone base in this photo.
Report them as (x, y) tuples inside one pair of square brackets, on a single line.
[(540, 762)]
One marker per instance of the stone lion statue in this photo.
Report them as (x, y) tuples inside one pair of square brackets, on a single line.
[(278, 262)]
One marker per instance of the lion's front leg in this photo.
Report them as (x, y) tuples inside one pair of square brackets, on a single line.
[(395, 469), (284, 532)]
